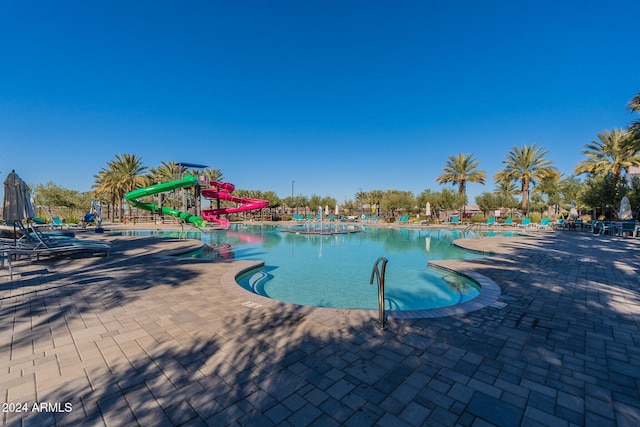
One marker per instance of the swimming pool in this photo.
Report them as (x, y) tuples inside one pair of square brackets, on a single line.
[(334, 270)]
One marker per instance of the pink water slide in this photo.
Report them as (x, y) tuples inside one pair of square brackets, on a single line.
[(222, 191)]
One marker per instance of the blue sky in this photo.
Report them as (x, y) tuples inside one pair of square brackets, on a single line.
[(337, 96)]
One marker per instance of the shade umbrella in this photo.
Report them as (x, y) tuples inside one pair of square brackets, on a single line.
[(573, 212), (428, 210), (17, 204), (625, 213)]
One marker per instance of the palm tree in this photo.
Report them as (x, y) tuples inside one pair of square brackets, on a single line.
[(104, 188), (527, 165), (613, 154), (634, 105), (375, 197), (505, 192), (124, 174), (213, 175), (459, 170), (167, 171)]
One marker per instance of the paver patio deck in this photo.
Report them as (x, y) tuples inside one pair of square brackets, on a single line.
[(143, 339)]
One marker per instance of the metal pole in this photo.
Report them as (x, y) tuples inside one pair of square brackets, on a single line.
[(380, 275)]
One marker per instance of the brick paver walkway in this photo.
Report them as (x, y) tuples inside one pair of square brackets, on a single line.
[(141, 339)]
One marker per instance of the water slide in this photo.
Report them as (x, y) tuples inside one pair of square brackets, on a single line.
[(222, 191), (187, 181)]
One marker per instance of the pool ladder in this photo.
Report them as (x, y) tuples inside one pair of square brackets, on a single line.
[(379, 273)]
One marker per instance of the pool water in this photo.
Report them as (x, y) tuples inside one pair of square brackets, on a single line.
[(334, 270)]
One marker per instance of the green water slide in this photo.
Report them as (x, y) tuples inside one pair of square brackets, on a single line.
[(187, 181)]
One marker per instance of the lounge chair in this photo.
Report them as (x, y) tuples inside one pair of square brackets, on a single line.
[(508, 221), (544, 223), (34, 242), (453, 221), (560, 224), (5, 254), (403, 219), (526, 222), (56, 222), (490, 222)]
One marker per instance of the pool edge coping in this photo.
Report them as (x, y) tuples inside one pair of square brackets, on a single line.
[(489, 293)]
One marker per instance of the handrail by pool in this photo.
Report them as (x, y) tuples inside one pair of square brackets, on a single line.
[(380, 274)]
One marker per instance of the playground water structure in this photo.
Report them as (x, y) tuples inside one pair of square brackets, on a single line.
[(219, 191), (188, 181), (222, 191)]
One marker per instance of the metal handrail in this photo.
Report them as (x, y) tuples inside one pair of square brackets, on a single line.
[(380, 274)]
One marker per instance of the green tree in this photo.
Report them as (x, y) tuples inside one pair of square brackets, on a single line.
[(315, 202), (460, 170), (50, 196), (570, 189), (526, 165), (431, 197), (504, 193), (329, 202), (375, 198), (448, 199), (549, 193), (487, 202), (394, 200), (634, 105), (596, 194), (212, 174), (167, 171), (613, 153), (124, 174), (362, 197)]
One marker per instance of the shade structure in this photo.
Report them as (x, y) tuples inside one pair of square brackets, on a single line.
[(428, 209), (625, 213), (17, 203)]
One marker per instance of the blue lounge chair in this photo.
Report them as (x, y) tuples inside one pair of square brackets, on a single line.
[(453, 221), (56, 222), (544, 223), (526, 222), (490, 222), (508, 221), (403, 219)]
